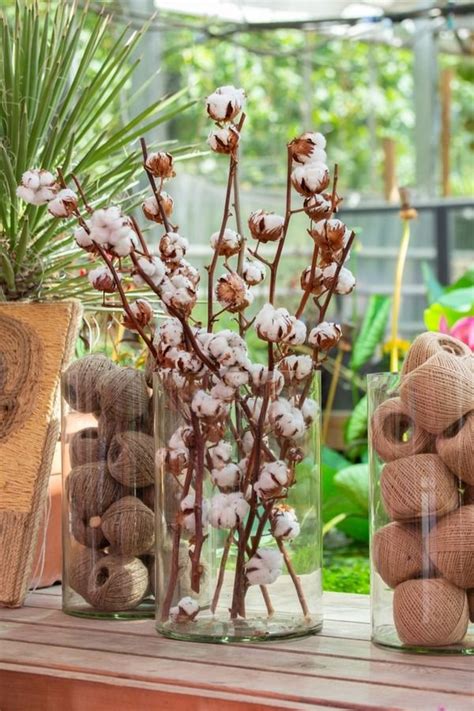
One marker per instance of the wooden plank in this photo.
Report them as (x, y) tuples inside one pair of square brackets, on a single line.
[(282, 662), (50, 691), (318, 644), (263, 685)]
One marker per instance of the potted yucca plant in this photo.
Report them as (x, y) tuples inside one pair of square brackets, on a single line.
[(61, 75)]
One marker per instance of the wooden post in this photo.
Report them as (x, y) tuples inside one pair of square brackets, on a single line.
[(390, 170), (446, 79)]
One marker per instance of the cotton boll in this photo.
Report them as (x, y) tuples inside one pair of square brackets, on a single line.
[(102, 279), (152, 211), (310, 411), (285, 524), (185, 611), (297, 333), (160, 165), (37, 187), (310, 178), (207, 407), (173, 247), (265, 380), (266, 226), (253, 272), (308, 148), (319, 206), (229, 244), (233, 293), (272, 478), (188, 513), (178, 293), (264, 567), (234, 377), (169, 333), (224, 140), (223, 392), (220, 455), (296, 368), (228, 510), (287, 420), (153, 268), (64, 204), (273, 325), (83, 239), (141, 313), (345, 279), (182, 438), (226, 478), (325, 335), (225, 103)]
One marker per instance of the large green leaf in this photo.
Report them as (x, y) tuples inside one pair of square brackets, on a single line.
[(371, 331), (356, 425), (433, 288), (353, 481)]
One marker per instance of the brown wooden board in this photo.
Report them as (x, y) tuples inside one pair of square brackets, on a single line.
[(49, 660), (36, 342)]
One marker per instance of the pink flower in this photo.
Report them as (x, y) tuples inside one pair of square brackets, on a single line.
[(462, 329)]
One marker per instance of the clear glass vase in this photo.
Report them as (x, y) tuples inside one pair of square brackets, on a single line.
[(238, 543), (108, 480), (422, 512)]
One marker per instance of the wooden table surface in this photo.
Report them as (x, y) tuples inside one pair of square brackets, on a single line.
[(52, 662)]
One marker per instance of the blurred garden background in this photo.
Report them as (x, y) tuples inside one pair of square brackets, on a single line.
[(390, 85)]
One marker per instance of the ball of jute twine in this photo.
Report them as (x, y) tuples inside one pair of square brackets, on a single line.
[(470, 600), (455, 446), (439, 392), (451, 546), (85, 446), (429, 344), (80, 564), (131, 459), (430, 612), (91, 489), (397, 551), (418, 486), (117, 583), (147, 495), (124, 395), (395, 434), (129, 526), (468, 496), (87, 530), (80, 382)]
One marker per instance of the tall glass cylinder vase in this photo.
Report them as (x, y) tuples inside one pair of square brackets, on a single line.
[(108, 483), (238, 537), (422, 507)]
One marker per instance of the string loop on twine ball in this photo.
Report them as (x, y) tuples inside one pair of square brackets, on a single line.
[(124, 395), (429, 344), (430, 612), (80, 382), (131, 459), (418, 486), (451, 546), (129, 526), (85, 446), (80, 564), (397, 552), (91, 489), (440, 391), (87, 530), (455, 446), (395, 434), (117, 583)]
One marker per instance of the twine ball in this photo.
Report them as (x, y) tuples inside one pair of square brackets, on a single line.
[(418, 486), (455, 446), (87, 530), (429, 344), (80, 382), (430, 612), (117, 583), (468, 497), (85, 446), (440, 391), (91, 489), (131, 459), (129, 526), (397, 551), (81, 562), (470, 600), (395, 434), (124, 395), (451, 546), (147, 495)]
